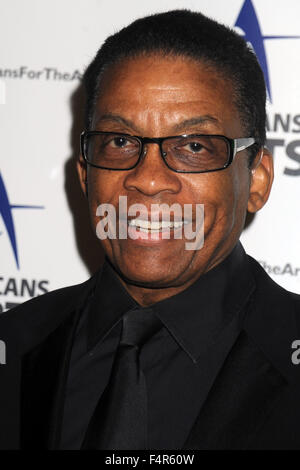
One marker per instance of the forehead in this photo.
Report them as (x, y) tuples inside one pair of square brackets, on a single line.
[(165, 89)]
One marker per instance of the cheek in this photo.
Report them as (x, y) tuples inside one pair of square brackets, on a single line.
[(104, 187), (224, 195), (215, 190), (233, 198)]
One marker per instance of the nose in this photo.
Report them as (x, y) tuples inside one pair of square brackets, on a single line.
[(152, 176)]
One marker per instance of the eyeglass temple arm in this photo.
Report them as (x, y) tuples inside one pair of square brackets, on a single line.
[(242, 144)]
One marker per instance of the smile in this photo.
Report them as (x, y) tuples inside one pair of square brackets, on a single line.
[(154, 226)]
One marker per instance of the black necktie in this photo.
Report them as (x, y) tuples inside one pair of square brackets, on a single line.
[(120, 419)]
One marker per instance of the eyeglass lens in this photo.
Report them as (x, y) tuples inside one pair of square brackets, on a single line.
[(191, 153)]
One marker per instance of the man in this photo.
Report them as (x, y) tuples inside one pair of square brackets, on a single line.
[(168, 345)]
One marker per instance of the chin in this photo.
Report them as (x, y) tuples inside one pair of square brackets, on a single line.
[(149, 275)]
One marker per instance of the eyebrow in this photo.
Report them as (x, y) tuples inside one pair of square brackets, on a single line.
[(118, 119), (205, 119)]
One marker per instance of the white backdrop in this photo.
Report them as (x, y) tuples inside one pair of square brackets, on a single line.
[(45, 46)]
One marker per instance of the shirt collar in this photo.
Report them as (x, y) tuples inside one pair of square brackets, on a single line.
[(108, 304), (195, 317), (198, 316)]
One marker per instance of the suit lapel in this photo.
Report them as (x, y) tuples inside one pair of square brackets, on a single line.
[(244, 393), (255, 373), (44, 374), (46, 351)]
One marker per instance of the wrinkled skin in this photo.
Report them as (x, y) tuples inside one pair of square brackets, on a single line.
[(156, 97)]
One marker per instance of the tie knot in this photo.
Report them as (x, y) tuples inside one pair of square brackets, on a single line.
[(139, 324)]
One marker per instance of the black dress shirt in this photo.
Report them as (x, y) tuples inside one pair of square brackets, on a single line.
[(180, 362)]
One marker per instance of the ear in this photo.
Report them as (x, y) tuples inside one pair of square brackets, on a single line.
[(262, 175), (82, 174)]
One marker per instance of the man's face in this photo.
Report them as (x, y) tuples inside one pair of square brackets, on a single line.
[(157, 97)]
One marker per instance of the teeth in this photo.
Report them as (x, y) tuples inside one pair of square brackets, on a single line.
[(146, 225)]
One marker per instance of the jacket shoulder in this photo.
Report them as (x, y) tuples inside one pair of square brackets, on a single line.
[(39, 316), (273, 321), (265, 284)]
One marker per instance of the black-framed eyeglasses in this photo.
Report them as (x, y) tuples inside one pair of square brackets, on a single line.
[(194, 153)]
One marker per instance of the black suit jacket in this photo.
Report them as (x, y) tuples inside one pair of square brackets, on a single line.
[(253, 404)]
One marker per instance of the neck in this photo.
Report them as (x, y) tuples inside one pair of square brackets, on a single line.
[(146, 296)]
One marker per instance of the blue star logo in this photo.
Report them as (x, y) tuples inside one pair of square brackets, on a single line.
[(7, 216), (247, 20)]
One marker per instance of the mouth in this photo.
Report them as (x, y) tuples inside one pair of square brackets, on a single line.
[(147, 232), (149, 227), (139, 225)]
